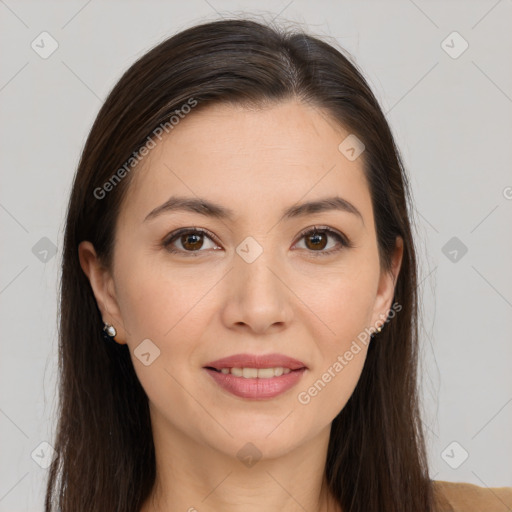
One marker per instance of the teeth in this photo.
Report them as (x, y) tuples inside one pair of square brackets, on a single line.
[(253, 373)]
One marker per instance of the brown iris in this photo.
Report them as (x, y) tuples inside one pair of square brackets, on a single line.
[(315, 238), (192, 241)]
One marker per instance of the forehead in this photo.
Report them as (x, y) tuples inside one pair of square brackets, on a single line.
[(245, 157)]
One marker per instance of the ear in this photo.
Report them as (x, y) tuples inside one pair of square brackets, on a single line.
[(102, 284), (386, 287)]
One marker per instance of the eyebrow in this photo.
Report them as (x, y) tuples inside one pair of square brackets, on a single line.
[(210, 209)]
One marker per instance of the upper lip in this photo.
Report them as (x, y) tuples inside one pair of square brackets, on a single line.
[(257, 361)]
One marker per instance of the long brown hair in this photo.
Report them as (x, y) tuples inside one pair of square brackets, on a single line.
[(105, 458)]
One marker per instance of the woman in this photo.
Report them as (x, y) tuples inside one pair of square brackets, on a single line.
[(238, 300)]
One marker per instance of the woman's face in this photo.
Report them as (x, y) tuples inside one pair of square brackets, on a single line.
[(255, 284)]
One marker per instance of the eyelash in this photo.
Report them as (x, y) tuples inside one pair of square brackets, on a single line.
[(343, 240)]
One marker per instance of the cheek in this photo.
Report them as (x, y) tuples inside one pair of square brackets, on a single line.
[(343, 354), (157, 300), (344, 303), (345, 306), (167, 306)]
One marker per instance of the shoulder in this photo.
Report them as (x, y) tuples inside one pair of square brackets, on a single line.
[(465, 497)]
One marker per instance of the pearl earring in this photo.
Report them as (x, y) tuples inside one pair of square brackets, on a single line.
[(109, 330), (373, 334)]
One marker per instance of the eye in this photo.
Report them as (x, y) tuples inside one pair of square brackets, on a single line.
[(190, 239), (316, 239)]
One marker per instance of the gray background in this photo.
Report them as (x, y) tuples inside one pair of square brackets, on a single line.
[(452, 118)]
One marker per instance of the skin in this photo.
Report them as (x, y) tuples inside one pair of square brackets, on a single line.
[(197, 309)]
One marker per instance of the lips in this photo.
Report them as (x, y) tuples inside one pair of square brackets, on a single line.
[(256, 361)]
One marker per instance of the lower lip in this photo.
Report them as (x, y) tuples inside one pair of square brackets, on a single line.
[(257, 389)]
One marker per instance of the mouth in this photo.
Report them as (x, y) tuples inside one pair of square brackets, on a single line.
[(256, 377), (255, 388), (245, 365), (255, 373)]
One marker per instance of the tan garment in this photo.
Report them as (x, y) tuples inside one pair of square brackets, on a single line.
[(464, 497)]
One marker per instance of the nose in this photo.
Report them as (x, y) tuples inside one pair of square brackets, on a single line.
[(258, 298)]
